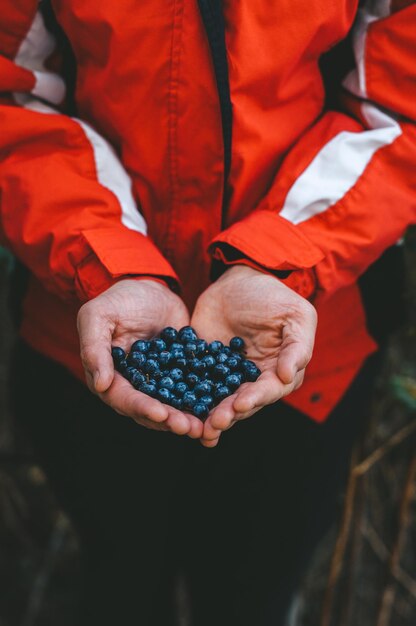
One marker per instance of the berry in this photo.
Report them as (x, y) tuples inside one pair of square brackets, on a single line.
[(180, 388), (215, 347), (151, 366), (233, 362), (192, 379), (221, 372), (177, 403), (187, 333), (152, 355), (250, 370), (221, 357), (134, 376), (189, 399), (157, 345), (201, 347), (118, 354), (209, 361), (169, 334), (164, 395), (233, 381), (122, 366), (221, 392), (177, 353), (190, 348), (148, 388), (140, 346), (164, 358), (237, 344), (182, 363), (208, 400), (167, 383), (176, 374), (203, 388), (200, 410), (196, 366), (137, 359)]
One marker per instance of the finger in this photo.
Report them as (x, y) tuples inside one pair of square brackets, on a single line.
[(266, 390), (220, 418), (184, 423), (95, 347), (124, 399), (297, 347), (209, 443)]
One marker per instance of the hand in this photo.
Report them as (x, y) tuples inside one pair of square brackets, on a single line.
[(130, 310), (278, 327)]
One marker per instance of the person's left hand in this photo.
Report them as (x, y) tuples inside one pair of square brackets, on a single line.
[(278, 327)]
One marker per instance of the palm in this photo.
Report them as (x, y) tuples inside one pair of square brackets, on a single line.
[(271, 319), (130, 310)]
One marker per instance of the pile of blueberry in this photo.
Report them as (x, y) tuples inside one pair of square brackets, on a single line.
[(184, 371)]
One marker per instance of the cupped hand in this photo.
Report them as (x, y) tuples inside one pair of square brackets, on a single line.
[(129, 310), (278, 327)]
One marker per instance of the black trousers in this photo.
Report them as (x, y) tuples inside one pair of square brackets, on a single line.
[(239, 521)]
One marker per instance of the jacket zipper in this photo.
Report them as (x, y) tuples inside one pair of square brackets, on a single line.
[(213, 19)]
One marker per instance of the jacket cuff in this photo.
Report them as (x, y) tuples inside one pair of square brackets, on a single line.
[(116, 254), (272, 244)]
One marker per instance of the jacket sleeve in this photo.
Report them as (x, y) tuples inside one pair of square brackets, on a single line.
[(347, 190), (66, 204)]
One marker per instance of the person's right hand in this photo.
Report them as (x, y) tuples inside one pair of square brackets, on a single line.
[(129, 310)]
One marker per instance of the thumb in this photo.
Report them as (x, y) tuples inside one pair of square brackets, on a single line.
[(95, 349)]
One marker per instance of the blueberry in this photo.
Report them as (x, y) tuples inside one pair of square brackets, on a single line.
[(148, 388), (176, 374), (227, 351), (118, 354), (221, 392), (137, 359), (200, 410), (140, 346), (176, 346), (221, 357), (122, 366), (158, 375), (182, 363), (187, 333), (221, 372), (177, 353), (250, 370), (201, 347), (208, 400), (192, 379), (157, 345), (134, 376), (180, 388), (252, 374), (164, 395), (167, 383), (233, 381), (215, 347), (190, 348), (151, 366), (209, 360), (164, 357), (137, 380), (197, 366), (189, 399), (152, 355), (203, 388), (169, 334), (233, 363), (177, 403), (237, 344)]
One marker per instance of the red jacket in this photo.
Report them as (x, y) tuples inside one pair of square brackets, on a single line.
[(134, 185)]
